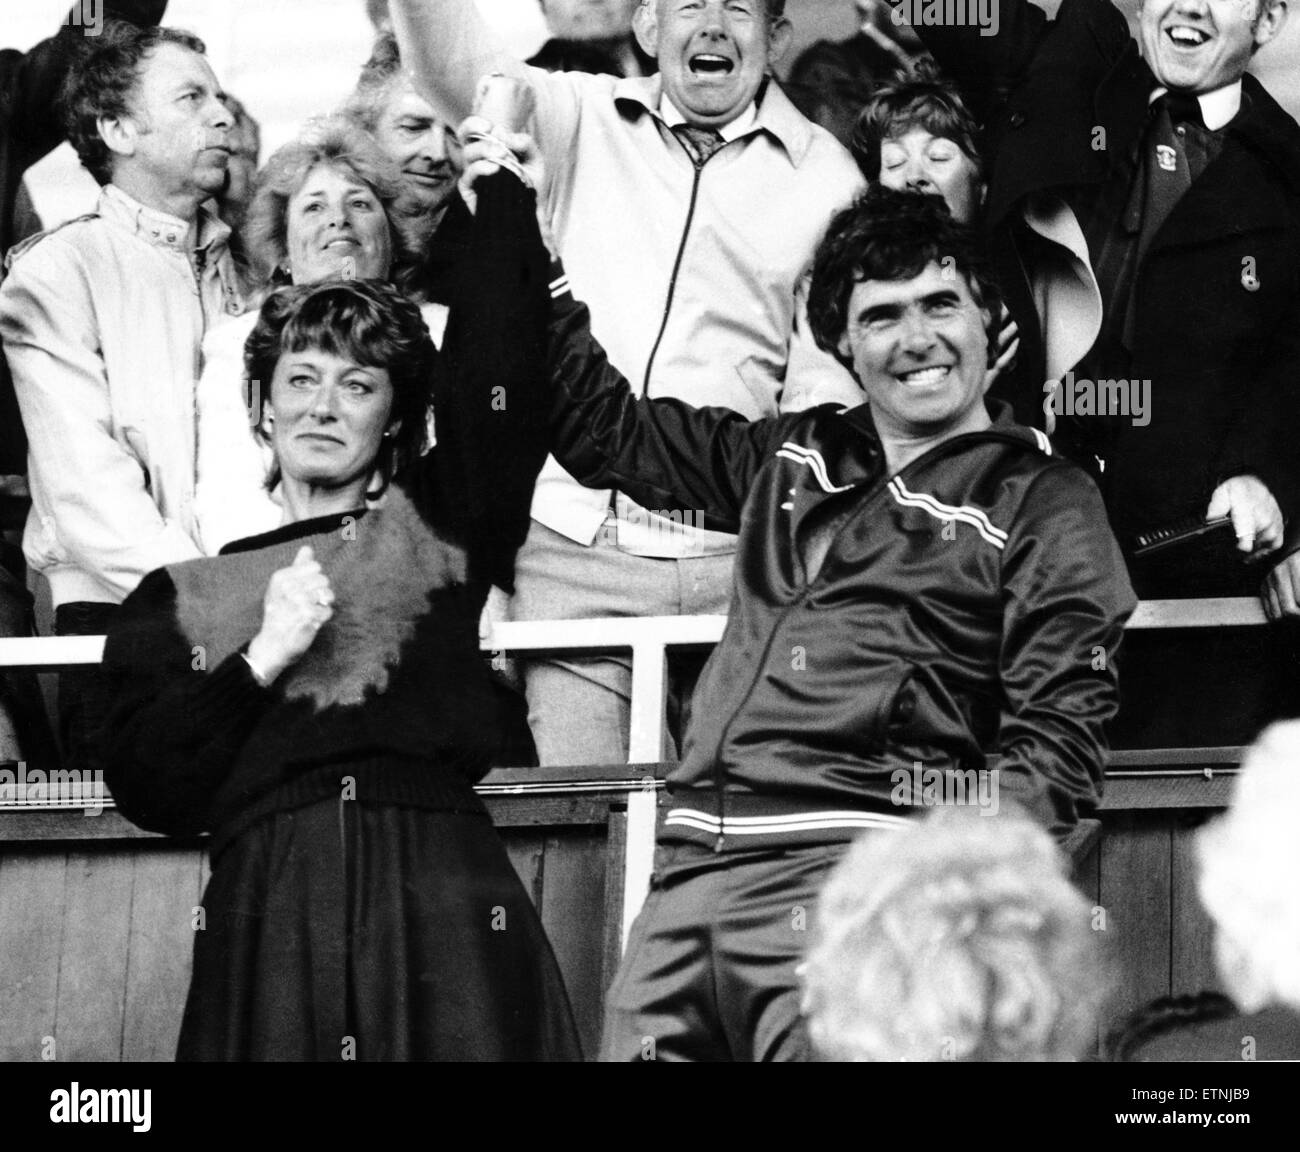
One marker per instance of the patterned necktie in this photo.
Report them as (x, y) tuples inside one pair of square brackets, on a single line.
[(1167, 170), (701, 143)]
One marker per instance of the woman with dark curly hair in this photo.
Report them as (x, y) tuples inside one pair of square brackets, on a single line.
[(315, 698)]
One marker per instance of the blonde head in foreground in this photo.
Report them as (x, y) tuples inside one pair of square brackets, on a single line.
[(956, 938)]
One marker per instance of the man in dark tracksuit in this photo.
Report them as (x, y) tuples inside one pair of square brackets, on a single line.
[(927, 607), (1143, 213)]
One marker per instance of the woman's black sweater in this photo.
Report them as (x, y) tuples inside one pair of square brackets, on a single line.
[(392, 702)]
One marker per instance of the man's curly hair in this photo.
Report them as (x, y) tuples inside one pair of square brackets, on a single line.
[(892, 235), (368, 322), (104, 83)]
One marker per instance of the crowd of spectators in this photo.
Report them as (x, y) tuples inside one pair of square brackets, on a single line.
[(817, 358)]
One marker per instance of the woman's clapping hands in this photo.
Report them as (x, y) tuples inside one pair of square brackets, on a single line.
[(298, 602)]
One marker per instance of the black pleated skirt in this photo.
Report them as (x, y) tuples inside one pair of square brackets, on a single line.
[(351, 931)]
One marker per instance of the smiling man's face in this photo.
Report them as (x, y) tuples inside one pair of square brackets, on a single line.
[(425, 149), (1200, 45), (712, 54), (919, 348)]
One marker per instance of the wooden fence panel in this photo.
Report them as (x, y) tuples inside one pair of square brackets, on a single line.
[(166, 890), (96, 943), (90, 1010), (1134, 890), (527, 850), (573, 910), (1191, 943), (32, 892)]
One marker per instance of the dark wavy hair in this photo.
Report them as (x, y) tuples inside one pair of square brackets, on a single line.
[(923, 98), (368, 322), (103, 82), (891, 235)]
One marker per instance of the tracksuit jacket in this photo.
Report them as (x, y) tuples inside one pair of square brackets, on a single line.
[(965, 617)]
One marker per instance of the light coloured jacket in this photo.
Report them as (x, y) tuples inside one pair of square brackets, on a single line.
[(102, 322), (696, 285), (719, 268)]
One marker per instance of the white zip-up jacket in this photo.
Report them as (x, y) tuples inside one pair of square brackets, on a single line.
[(695, 277), (102, 322)]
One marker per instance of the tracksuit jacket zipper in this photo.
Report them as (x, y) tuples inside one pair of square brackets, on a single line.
[(934, 453), (797, 602)]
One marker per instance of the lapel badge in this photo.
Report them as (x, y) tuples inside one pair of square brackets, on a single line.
[(1167, 157)]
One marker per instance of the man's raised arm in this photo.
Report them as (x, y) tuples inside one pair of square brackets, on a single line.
[(448, 47), (661, 452)]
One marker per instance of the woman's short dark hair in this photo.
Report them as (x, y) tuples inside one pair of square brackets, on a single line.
[(924, 98), (330, 140), (104, 81), (888, 234), (368, 322)]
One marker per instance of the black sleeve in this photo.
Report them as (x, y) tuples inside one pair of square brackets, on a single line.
[(489, 402), (431, 273), (983, 67), (1066, 599), (173, 726), (1261, 439), (663, 453)]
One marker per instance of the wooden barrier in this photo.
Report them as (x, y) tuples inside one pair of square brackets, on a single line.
[(95, 932)]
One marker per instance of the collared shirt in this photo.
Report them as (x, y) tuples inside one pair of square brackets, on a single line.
[(732, 130), (696, 287), (699, 296), (218, 288), (1217, 108), (1203, 142)]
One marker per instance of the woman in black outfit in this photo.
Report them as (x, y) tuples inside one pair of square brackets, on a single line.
[(315, 698)]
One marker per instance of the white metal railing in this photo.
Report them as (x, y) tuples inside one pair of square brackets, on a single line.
[(648, 638)]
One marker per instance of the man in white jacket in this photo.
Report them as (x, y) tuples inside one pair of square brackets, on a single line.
[(687, 207), (102, 322)]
